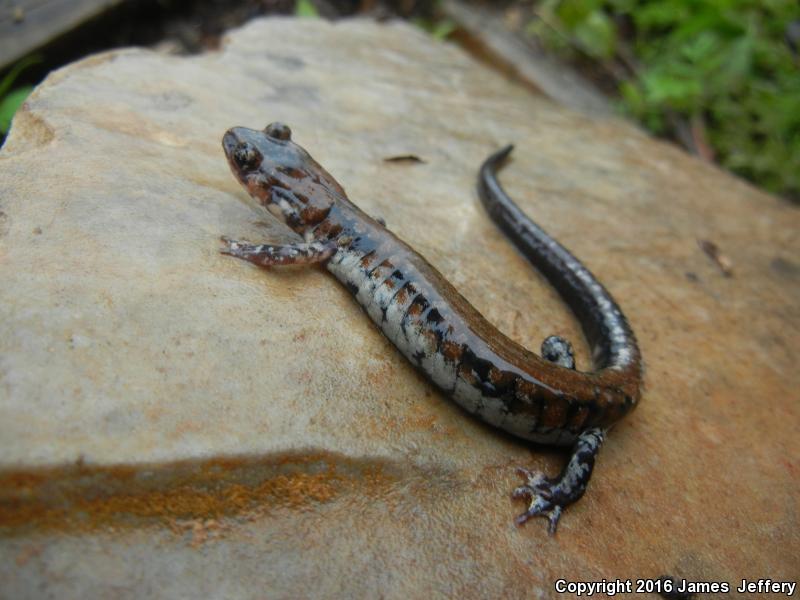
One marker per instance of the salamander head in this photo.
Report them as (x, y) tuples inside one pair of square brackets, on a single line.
[(281, 175)]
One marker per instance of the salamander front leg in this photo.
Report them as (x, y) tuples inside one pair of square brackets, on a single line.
[(550, 496), (268, 255)]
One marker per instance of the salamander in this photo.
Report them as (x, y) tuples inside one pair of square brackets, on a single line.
[(543, 399)]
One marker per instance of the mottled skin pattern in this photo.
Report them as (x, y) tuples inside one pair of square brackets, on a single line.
[(544, 400)]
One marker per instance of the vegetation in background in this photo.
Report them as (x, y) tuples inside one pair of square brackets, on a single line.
[(439, 28), (304, 8), (432, 20), (12, 99), (722, 76)]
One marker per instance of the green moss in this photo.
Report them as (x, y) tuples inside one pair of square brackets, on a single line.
[(730, 65)]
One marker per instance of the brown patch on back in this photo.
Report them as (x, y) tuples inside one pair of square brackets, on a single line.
[(431, 338), (526, 390), (452, 351), (416, 308), (313, 214), (467, 375), (366, 260), (554, 413), (500, 378), (328, 228), (577, 420), (381, 270)]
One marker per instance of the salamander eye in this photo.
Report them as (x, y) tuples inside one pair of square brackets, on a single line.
[(278, 131), (246, 157)]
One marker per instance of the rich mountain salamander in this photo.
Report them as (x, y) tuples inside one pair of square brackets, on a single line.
[(542, 399)]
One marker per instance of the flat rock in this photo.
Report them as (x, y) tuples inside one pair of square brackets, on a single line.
[(178, 423)]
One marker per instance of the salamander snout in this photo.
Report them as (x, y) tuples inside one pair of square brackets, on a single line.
[(243, 155)]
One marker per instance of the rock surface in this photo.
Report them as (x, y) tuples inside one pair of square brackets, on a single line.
[(177, 423)]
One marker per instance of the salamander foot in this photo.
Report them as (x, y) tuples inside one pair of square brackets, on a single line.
[(558, 350), (550, 496)]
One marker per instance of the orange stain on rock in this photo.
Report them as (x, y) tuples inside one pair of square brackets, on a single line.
[(80, 498)]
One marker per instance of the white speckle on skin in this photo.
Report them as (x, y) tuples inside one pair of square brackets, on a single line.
[(345, 267), (467, 396), (379, 295), (391, 327), (493, 411), (383, 297), (441, 371), (364, 295)]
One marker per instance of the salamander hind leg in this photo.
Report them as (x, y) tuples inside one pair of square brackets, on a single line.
[(550, 496), (558, 350), (269, 255)]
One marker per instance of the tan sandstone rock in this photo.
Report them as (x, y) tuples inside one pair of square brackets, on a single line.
[(174, 422)]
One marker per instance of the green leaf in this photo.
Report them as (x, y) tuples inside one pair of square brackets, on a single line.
[(10, 104), (700, 47), (671, 90), (573, 12), (739, 58), (659, 14), (305, 8), (443, 28), (439, 28), (15, 71), (597, 35), (632, 98)]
